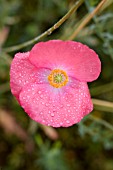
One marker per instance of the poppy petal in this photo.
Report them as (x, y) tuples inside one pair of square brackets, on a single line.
[(56, 107), (77, 59), (23, 72)]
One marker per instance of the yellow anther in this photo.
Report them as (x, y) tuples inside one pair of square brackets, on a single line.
[(58, 78)]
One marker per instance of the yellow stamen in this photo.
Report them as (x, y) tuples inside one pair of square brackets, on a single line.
[(58, 78)]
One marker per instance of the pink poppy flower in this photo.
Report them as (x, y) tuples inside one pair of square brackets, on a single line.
[(50, 81)]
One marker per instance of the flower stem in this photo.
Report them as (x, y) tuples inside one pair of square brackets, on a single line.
[(87, 19), (103, 105), (48, 32)]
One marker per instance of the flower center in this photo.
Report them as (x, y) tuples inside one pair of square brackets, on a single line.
[(58, 78)]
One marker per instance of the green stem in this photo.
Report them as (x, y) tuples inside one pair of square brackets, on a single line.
[(87, 19), (103, 105), (48, 32)]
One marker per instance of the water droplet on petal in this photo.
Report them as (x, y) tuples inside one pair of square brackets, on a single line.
[(67, 121), (39, 92), (41, 96), (52, 114), (61, 106), (47, 104), (61, 123)]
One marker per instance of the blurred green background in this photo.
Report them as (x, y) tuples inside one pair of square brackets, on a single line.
[(26, 145)]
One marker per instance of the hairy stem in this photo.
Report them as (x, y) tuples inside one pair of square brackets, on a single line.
[(48, 32), (103, 105), (87, 19)]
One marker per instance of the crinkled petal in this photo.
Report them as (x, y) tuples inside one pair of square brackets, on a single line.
[(56, 107), (77, 59), (23, 72)]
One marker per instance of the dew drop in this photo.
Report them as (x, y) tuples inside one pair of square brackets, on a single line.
[(54, 110), (67, 121), (55, 26), (61, 106), (41, 96), (20, 81), (52, 114), (61, 123), (49, 32)]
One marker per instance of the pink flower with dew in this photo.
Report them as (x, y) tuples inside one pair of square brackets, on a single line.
[(50, 81)]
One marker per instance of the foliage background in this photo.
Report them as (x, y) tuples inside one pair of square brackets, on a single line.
[(25, 144)]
